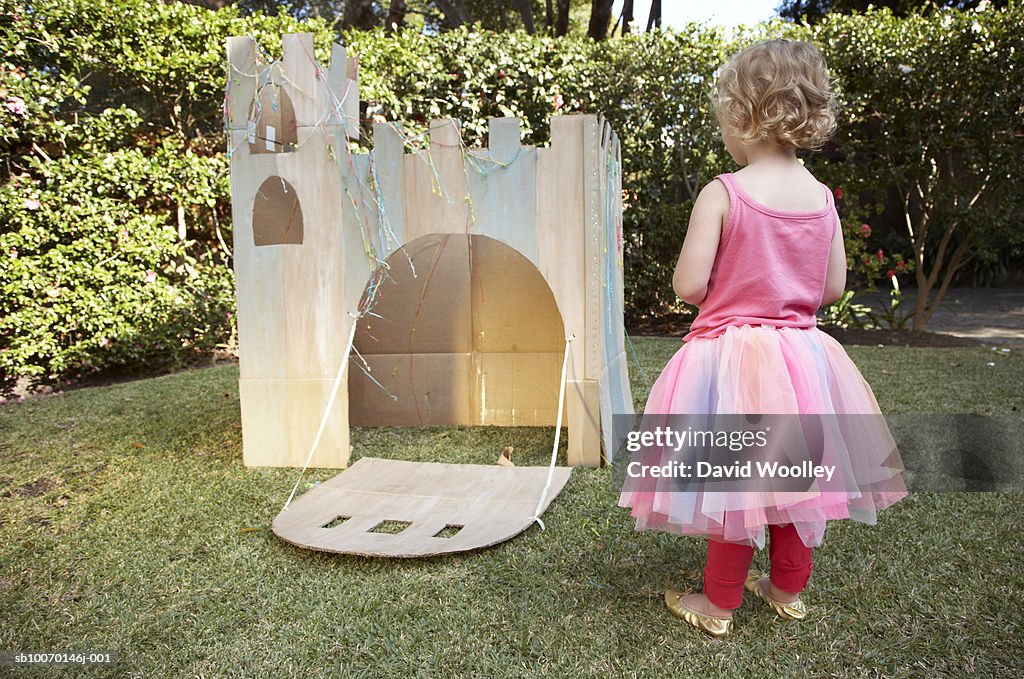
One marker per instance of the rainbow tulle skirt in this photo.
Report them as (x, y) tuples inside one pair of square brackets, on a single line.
[(782, 372)]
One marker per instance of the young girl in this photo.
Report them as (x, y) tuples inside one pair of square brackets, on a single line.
[(763, 251)]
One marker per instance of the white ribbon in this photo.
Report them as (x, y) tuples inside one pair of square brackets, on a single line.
[(558, 433), (330, 404)]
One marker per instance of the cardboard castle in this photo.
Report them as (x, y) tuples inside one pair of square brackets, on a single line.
[(480, 263)]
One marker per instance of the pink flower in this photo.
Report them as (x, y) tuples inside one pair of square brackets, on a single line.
[(901, 265), (123, 233), (16, 105), (838, 193), (30, 204), (104, 341), (891, 273), (880, 254), (865, 230), (501, 73), (558, 101), (151, 275)]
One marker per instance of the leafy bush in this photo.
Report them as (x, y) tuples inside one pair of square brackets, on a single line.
[(931, 139), (114, 207)]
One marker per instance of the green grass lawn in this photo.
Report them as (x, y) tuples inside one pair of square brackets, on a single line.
[(129, 523)]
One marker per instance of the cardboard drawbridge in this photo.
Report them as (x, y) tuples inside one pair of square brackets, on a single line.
[(465, 271)]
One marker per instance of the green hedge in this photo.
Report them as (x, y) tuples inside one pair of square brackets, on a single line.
[(115, 223), (114, 208)]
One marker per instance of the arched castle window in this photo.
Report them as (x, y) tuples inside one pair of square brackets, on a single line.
[(276, 214), (272, 121)]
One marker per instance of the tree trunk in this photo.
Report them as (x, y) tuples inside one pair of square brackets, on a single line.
[(562, 22), (627, 16), (208, 4), (654, 18), (454, 12), (926, 280), (549, 14), (359, 14), (600, 17), (396, 15), (526, 11)]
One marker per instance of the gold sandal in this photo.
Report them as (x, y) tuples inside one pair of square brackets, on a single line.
[(794, 610), (716, 627)]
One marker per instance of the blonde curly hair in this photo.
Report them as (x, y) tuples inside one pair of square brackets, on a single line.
[(778, 91)]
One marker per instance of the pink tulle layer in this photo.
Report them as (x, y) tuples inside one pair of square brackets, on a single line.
[(763, 369)]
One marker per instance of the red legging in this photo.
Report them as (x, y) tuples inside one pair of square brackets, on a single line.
[(728, 563)]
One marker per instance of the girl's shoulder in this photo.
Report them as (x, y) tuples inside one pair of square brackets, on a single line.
[(793, 192), (716, 196), (718, 187)]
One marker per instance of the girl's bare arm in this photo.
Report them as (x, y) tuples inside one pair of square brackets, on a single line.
[(693, 268), (835, 278)]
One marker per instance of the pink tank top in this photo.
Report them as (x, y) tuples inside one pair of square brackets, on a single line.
[(770, 267)]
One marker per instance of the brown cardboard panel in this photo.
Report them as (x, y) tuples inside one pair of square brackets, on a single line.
[(583, 410), (431, 389), (593, 210), (272, 121), (513, 308), (516, 389), (276, 214), (487, 504), (504, 310), (242, 60), (435, 185), (423, 308), (283, 416), (302, 77), (560, 220)]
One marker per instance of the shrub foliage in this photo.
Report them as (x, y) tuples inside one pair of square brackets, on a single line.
[(114, 209)]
